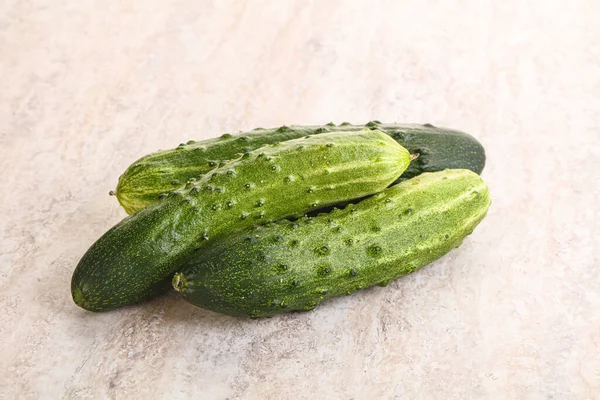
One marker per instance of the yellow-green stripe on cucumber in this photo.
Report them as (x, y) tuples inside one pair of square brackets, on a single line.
[(162, 172), (295, 265), (137, 258)]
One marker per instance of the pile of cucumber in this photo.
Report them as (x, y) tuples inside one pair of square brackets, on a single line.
[(277, 220)]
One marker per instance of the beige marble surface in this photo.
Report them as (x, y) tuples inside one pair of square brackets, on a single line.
[(86, 87)]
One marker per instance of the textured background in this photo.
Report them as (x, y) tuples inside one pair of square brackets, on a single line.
[(87, 87)]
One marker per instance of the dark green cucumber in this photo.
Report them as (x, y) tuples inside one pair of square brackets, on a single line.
[(295, 265), (137, 258), (162, 172)]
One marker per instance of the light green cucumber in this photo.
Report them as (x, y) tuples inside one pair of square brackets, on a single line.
[(137, 258), (295, 265), (164, 171)]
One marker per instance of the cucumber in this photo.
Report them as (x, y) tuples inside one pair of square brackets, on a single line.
[(137, 258), (164, 171), (295, 265)]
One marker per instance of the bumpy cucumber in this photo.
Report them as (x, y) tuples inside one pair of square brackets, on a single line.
[(295, 265), (162, 172), (137, 257)]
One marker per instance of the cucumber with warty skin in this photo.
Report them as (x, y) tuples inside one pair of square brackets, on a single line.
[(295, 265), (164, 171), (137, 258)]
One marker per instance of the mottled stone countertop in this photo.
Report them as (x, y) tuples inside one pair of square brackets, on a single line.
[(87, 87)]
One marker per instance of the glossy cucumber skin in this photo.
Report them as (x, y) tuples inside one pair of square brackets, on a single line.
[(164, 171), (137, 258), (295, 265)]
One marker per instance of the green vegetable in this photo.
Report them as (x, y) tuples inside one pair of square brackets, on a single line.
[(162, 172), (137, 257), (295, 265)]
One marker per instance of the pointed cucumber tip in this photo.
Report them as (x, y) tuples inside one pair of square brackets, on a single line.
[(81, 301), (78, 297)]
